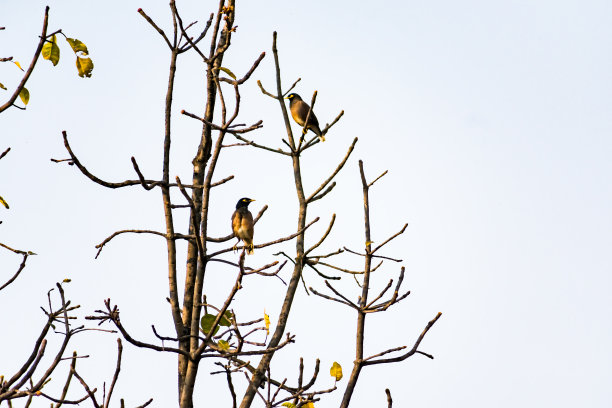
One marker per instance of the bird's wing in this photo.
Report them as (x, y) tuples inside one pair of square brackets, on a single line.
[(236, 222), (247, 225), (302, 112)]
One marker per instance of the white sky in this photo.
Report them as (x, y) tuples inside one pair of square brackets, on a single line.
[(493, 119)]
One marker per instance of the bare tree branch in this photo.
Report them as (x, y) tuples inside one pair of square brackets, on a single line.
[(329, 228), (159, 30), (391, 238), (330, 178), (412, 351), (4, 153), (389, 399), (26, 76), (19, 269)]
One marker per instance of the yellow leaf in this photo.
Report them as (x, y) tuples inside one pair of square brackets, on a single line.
[(77, 46), (50, 51), (84, 66), (32, 253), (224, 345), (18, 64), (67, 280), (267, 321), (228, 72), (308, 405), (336, 371), (2, 86), (4, 203), (288, 405), (25, 96)]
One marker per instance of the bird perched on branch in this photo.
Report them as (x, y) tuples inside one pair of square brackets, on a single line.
[(299, 110), (242, 224)]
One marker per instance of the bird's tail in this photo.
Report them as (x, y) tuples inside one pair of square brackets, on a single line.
[(319, 133), (250, 248)]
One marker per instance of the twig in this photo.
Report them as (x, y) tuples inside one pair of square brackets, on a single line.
[(329, 228), (91, 393), (377, 178), (115, 375), (19, 270), (348, 270), (389, 399), (89, 175), (330, 178), (270, 149), (248, 74), (373, 256), (225, 180), (315, 139), (112, 314), (291, 87), (391, 238), (412, 351), (145, 185), (159, 30), (26, 76), (385, 352), (332, 298), (100, 246)]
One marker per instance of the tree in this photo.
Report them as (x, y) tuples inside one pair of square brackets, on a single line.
[(216, 331)]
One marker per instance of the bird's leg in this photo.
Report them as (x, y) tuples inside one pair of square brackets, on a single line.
[(235, 247)]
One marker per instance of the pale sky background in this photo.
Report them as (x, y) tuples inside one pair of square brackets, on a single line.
[(492, 117)]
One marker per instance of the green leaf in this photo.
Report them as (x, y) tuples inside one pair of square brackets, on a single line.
[(206, 323), (77, 46), (226, 319), (228, 72), (208, 319), (84, 66), (2, 86), (336, 371), (25, 96), (224, 345), (50, 51), (4, 203), (288, 405)]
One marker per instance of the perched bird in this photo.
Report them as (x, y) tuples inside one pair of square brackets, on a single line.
[(242, 224), (299, 110)]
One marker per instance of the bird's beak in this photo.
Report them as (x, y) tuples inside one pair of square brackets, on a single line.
[(251, 201), (286, 97)]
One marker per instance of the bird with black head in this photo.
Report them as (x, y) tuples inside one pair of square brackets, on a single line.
[(242, 225), (299, 110)]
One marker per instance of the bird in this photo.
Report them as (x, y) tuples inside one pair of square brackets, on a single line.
[(242, 224), (299, 110)]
